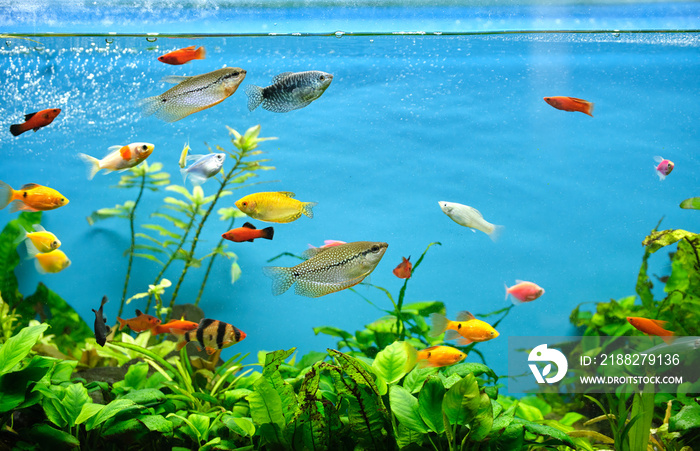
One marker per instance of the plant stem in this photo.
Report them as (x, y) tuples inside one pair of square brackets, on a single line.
[(133, 242), (211, 263)]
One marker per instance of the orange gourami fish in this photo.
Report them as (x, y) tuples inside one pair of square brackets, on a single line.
[(183, 56), (213, 335), (403, 271), (140, 322), (439, 356), (30, 197), (652, 327), (175, 326), (34, 121), (570, 104), (467, 328), (248, 233)]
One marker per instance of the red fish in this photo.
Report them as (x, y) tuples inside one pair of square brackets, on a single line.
[(34, 121), (248, 233), (570, 104), (175, 327), (140, 322), (403, 271), (524, 292), (183, 56), (664, 168), (652, 327)]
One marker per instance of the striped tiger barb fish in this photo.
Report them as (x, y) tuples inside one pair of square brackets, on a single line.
[(213, 335)]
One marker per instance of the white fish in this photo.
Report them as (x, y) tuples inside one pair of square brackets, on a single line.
[(289, 91), (470, 217), (119, 158), (203, 168)]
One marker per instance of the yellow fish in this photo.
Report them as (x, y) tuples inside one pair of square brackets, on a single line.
[(50, 262), (439, 356), (42, 240), (30, 197), (467, 328), (275, 206)]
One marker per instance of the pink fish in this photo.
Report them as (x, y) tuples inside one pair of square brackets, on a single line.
[(524, 292), (664, 168), (328, 243)]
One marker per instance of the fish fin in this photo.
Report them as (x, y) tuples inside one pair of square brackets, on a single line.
[(280, 77), (28, 186), (150, 105), (29, 116), (464, 341), (439, 324), (314, 251), (661, 175), (668, 339), (314, 289), (139, 312), (659, 322), (21, 237), (658, 159), (496, 232), (38, 228), (520, 281), (32, 250), (184, 174), (197, 179), (248, 225), (40, 269), (16, 129), (287, 194), (200, 53), (122, 323), (465, 316), (194, 157), (18, 205), (255, 96), (306, 208), (250, 241), (210, 350), (93, 165), (451, 334), (181, 342), (282, 278), (590, 109), (507, 288), (5, 194), (175, 79), (516, 301), (268, 233)]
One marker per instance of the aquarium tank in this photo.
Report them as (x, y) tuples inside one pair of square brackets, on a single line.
[(349, 225)]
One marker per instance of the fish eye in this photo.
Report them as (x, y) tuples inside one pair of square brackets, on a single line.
[(375, 248), (62, 199), (236, 74), (322, 77), (144, 147), (245, 204)]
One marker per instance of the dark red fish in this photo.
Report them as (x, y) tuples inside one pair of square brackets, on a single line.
[(403, 271), (248, 233)]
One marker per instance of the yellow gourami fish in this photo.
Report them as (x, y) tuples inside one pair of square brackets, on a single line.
[(30, 197), (439, 356), (42, 240), (193, 94), (467, 328), (119, 158), (277, 206), (328, 269)]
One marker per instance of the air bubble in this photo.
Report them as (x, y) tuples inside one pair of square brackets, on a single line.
[(39, 48), (151, 39), (616, 34), (8, 44), (109, 40), (339, 34)]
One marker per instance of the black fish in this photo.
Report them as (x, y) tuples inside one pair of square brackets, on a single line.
[(289, 91), (101, 327)]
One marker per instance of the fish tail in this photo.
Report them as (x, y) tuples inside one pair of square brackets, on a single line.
[(507, 293), (306, 208), (5, 194), (282, 278), (589, 110), (255, 96), (668, 339), (439, 324), (18, 205), (150, 105), (122, 323), (17, 129), (496, 232), (661, 175), (200, 53), (22, 236), (92, 163), (268, 233), (32, 250), (182, 340), (184, 173)]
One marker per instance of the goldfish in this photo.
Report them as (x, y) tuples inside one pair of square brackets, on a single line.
[(329, 269), (120, 158), (663, 168), (469, 328), (403, 271), (289, 91), (439, 356), (652, 327), (140, 322), (175, 326), (524, 292), (248, 233), (35, 121), (213, 335), (275, 206), (203, 168), (101, 327), (42, 240), (49, 262), (193, 94), (30, 197), (570, 104), (183, 56), (470, 217)]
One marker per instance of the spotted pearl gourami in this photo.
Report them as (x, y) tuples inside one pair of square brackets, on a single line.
[(289, 91), (328, 269)]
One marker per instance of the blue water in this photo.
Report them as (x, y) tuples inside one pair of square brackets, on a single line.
[(408, 121)]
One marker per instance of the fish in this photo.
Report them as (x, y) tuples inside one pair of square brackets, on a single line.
[(119, 158), (403, 271), (30, 197), (183, 56), (327, 243), (470, 217), (467, 328), (101, 327), (35, 121), (524, 292), (213, 335), (439, 356), (204, 167), (248, 233), (570, 104), (193, 94), (663, 168), (42, 240), (277, 206), (140, 322), (682, 345), (182, 162), (48, 262), (289, 91), (328, 270), (652, 327), (174, 326)]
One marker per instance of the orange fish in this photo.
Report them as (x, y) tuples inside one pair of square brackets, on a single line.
[(30, 197), (183, 56), (213, 335), (467, 328), (439, 356), (570, 104), (652, 327), (139, 323), (175, 326), (34, 121), (403, 271), (248, 233)]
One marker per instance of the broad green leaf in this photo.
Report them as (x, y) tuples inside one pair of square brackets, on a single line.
[(157, 423), (18, 347), (405, 406), (570, 418), (148, 397), (266, 405), (128, 430), (415, 379), (693, 203), (663, 238), (332, 331), (483, 420), (642, 405), (47, 437), (687, 418), (529, 412), (88, 411), (477, 369), (75, 398), (107, 412), (430, 404), (462, 400), (539, 403), (235, 272), (241, 426), (406, 437), (136, 376), (355, 369), (545, 431), (200, 422), (395, 361)]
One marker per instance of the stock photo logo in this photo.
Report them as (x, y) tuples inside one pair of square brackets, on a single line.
[(542, 354)]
